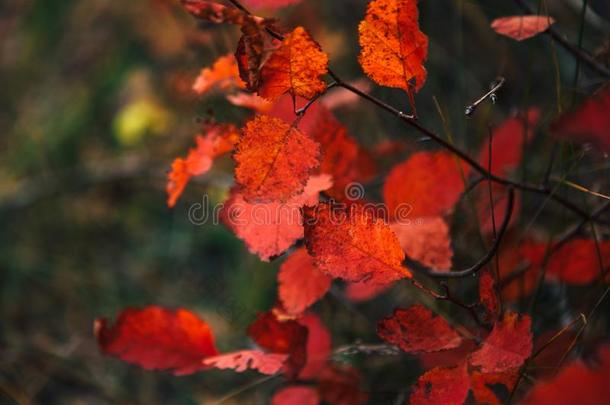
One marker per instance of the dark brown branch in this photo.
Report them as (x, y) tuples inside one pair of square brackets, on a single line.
[(578, 53)]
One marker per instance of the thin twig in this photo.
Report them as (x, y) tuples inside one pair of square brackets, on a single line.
[(496, 85)]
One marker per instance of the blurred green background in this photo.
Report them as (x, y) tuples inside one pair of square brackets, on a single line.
[(95, 102)]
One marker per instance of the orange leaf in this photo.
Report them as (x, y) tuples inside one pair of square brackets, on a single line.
[(588, 123), (393, 48), (416, 330), (156, 338), (520, 27), (240, 361), (295, 67), (273, 160), (223, 75), (270, 228), (446, 385), (218, 140), (300, 283), (425, 240), (507, 346), (251, 101), (426, 184), (352, 244)]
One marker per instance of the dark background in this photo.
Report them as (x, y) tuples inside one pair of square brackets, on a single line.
[(95, 103)]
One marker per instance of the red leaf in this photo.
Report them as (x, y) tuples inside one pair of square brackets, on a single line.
[(507, 346), (288, 337), (499, 195), (427, 184), (575, 384), (269, 229), (508, 140), (588, 123), (269, 4), (416, 329), (240, 361), (522, 27), (218, 140), (156, 338), (425, 240), (319, 346), (273, 160), (296, 395), (447, 386), (363, 291), (295, 67), (301, 284), (341, 386), (481, 385), (576, 262), (350, 243)]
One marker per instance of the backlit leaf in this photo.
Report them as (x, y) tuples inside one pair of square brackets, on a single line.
[(300, 283), (352, 244), (393, 48), (520, 27), (294, 68), (425, 240), (240, 361), (273, 160)]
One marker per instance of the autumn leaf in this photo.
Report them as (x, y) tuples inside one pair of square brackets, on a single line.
[(300, 283), (576, 383), (285, 337), (588, 123), (342, 157), (250, 101), (497, 205), (508, 140), (252, 49), (269, 229), (341, 385), (296, 395), (223, 75), (507, 346), (156, 338), (218, 140), (393, 48), (426, 240), (447, 386), (577, 262), (363, 291), (427, 184), (482, 384), (216, 13), (273, 160), (352, 244), (521, 27), (294, 68), (319, 346), (240, 361), (416, 329)]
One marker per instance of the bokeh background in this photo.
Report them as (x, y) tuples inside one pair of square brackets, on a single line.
[(96, 101)]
